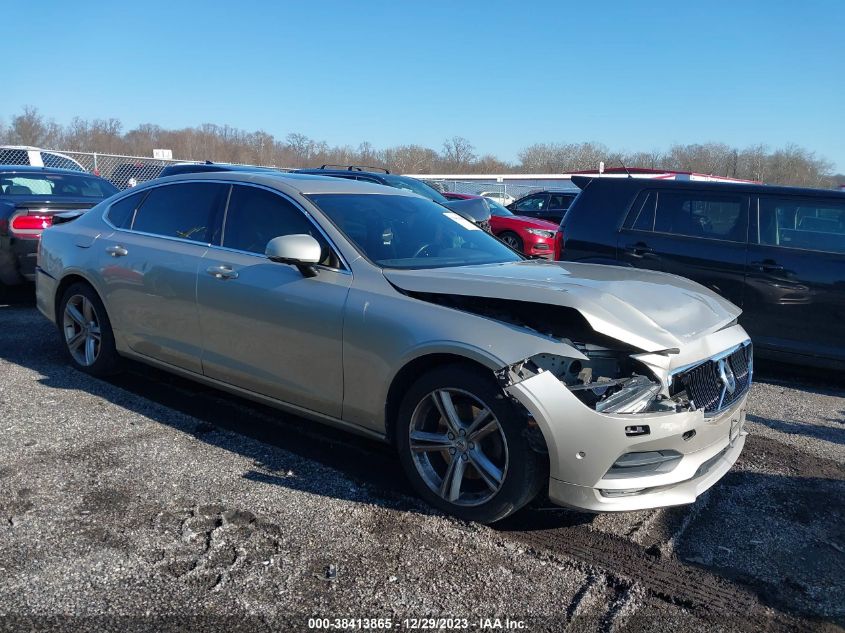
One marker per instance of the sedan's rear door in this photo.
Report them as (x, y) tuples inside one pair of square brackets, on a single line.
[(150, 266), (265, 327)]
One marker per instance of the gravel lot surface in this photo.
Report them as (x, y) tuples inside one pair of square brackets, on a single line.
[(153, 503)]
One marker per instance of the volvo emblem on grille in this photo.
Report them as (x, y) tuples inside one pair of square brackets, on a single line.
[(726, 375)]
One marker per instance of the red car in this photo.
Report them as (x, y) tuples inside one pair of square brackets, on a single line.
[(526, 235)]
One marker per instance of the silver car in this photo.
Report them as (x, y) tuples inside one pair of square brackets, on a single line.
[(373, 309)]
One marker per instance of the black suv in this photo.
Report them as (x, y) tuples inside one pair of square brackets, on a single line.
[(175, 169), (777, 252), (548, 204), (475, 209)]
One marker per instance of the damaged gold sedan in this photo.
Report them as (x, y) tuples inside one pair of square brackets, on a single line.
[(370, 308)]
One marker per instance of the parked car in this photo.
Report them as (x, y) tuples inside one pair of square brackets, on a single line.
[(777, 252), (175, 169), (548, 204), (501, 197), (36, 157), (475, 210), (526, 235), (30, 197), (376, 310), (126, 175)]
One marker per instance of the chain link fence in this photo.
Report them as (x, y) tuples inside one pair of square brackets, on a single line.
[(128, 171), (122, 171)]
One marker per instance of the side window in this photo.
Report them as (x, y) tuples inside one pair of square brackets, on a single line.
[(121, 212), (60, 162), (701, 214), (255, 216), (805, 223), (532, 203), (559, 202), (187, 211), (641, 215), (14, 157)]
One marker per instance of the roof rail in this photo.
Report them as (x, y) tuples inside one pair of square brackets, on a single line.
[(356, 167)]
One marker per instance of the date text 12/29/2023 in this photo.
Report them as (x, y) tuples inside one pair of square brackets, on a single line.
[(416, 624)]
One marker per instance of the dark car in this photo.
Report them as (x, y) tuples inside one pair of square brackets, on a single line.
[(30, 197), (175, 169), (777, 252), (127, 175), (548, 204), (475, 209)]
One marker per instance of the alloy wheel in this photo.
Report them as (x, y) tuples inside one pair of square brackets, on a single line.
[(82, 330), (458, 447)]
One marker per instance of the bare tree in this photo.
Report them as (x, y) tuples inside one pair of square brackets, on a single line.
[(787, 165), (458, 153)]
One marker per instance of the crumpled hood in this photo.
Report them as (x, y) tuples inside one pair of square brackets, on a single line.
[(649, 310)]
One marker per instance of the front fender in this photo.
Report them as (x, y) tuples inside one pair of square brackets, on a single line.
[(383, 332)]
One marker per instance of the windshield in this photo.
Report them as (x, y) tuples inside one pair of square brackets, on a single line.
[(497, 209), (410, 232), (39, 184), (417, 186)]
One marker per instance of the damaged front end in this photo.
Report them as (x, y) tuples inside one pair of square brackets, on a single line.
[(608, 380), (631, 415)]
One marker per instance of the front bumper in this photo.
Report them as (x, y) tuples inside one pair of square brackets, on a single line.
[(584, 444)]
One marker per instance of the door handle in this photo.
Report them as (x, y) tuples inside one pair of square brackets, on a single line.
[(221, 272), (767, 266), (639, 250), (116, 251)]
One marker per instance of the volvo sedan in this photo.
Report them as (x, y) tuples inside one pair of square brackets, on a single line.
[(373, 309)]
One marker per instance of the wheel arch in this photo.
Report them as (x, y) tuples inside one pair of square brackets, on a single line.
[(411, 371), (66, 282)]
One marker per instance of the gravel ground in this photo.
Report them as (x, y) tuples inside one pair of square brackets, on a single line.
[(134, 505)]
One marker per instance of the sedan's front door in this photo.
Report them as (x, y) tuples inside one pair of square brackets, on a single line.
[(795, 299), (265, 327)]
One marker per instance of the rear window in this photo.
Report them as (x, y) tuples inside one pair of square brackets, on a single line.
[(47, 185)]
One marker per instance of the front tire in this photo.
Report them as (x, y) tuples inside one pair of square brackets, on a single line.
[(463, 445), (513, 240), (86, 331)]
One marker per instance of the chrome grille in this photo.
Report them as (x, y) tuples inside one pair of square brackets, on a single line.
[(719, 382)]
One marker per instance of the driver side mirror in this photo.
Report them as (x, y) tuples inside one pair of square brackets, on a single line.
[(301, 250)]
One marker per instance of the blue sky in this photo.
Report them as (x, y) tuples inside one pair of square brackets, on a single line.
[(632, 75)]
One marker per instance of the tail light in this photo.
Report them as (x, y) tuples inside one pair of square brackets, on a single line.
[(29, 227)]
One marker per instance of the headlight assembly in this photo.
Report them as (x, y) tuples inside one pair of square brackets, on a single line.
[(542, 232)]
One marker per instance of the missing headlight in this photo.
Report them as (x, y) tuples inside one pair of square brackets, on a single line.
[(610, 381), (633, 396)]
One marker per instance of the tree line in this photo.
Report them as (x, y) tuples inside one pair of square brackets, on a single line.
[(792, 165)]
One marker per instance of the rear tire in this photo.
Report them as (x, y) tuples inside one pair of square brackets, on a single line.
[(463, 445), (86, 332), (513, 240)]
